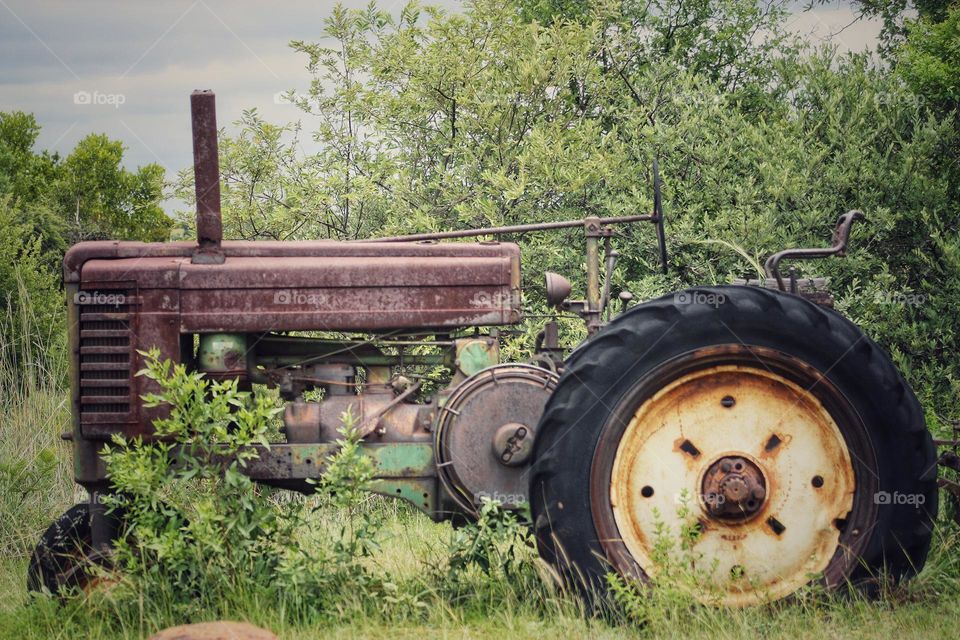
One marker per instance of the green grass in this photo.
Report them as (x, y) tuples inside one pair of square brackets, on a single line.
[(35, 478), (928, 608)]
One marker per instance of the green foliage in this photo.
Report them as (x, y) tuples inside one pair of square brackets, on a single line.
[(679, 581), (23, 174), (265, 191), (89, 192), (48, 203), (929, 59), (681, 585), (32, 323), (200, 539), (104, 200), (35, 481), (497, 115), (199, 533), (347, 480), (497, 543), (197, 524)]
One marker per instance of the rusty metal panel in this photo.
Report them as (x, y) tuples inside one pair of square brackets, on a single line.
[(348, 271), (79, 254), (342, 309), (146, 272), (356, 293), (106, 316), (116, 319), (338, 286)]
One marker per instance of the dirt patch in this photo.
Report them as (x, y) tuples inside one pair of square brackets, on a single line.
[(221, 630)]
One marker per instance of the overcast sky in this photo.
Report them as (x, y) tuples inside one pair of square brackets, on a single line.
[(126, 68)]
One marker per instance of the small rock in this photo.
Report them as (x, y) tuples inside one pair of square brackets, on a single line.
[(221, 630)]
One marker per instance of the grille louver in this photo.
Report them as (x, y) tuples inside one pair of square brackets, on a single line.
[(105, 355)]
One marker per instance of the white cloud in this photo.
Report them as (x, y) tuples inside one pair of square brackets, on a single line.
[(839, 26)]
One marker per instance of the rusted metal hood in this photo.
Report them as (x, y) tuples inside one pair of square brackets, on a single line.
[(286, 286)]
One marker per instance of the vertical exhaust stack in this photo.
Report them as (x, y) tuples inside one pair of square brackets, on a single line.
[(206, 177)]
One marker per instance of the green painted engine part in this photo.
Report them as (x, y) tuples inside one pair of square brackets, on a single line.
[(223, 352)]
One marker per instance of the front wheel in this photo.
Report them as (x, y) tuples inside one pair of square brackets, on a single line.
[(65, 559), (769, 435)]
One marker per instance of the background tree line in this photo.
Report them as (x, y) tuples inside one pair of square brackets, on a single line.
[(49, 202)]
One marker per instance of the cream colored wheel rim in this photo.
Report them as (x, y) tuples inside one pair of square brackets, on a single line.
[(680, 432)]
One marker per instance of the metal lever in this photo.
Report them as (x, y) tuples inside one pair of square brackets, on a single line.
[(658, 217), (841, 234), (610, 258)]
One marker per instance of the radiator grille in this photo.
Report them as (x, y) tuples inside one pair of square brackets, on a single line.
[(105, 355)]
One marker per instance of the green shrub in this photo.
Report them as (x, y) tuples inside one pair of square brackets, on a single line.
[(201, 537)]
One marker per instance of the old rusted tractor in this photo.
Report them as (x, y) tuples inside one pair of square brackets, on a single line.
[(787, 433)]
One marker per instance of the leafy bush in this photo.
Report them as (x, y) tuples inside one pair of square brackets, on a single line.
[(498, 544), (200, 534), (196, 524), (202, 540)]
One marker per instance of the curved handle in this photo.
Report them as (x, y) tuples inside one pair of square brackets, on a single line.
[(841, 235)]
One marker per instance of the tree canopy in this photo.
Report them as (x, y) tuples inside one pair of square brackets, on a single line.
[(520, 111), (48, 203)]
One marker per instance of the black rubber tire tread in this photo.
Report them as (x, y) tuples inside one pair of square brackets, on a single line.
[(64, 540), (603, 369)]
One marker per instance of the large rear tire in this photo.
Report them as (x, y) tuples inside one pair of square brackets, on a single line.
[(776, 427)]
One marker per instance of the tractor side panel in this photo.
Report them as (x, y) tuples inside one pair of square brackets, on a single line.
[(347, 293)]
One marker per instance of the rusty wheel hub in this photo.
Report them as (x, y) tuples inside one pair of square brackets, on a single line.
[(733, 489), (751, 460)]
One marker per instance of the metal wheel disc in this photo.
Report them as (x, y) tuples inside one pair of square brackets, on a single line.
[(754, 462), (485, 432)]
